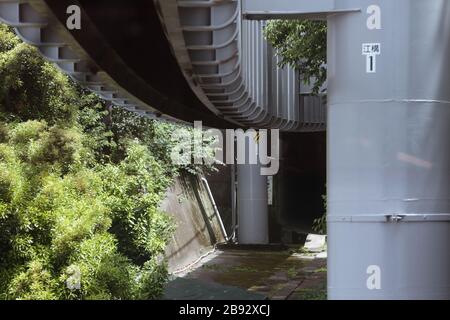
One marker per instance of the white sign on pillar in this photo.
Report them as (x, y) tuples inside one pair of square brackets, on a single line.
[(371, 51)]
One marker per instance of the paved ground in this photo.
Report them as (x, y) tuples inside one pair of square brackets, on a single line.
[(297, 274), (195, 289)]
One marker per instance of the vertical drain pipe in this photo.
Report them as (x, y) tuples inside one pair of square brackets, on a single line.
[(389, 150), (233, 202)]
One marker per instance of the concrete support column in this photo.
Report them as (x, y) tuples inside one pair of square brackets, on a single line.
[(389, 150), (252, 207)]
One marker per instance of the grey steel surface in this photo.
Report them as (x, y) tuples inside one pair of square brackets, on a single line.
[(389, 152), (252, 207)]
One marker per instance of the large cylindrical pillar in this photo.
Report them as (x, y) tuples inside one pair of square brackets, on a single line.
[(389, 150), (252, 207)]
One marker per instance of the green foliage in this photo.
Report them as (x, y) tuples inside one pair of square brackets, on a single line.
[(103, 220), (105, 273), (34, 283), (80, 188), (136, 187), (302, 45), (41, 145), (320, 224), (163, 138), (31, 88), (193, 150), (93, 118), (7, 40)]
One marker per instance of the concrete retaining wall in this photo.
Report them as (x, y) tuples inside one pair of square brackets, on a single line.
[(197, 227)]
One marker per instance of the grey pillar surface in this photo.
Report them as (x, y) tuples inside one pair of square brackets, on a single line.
[(389, 151), (252, 207)]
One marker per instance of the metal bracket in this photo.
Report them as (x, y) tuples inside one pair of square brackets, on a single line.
[(390, 218), (394, 217)]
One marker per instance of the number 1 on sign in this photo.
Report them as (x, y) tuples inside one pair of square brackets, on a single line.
[(371, 63)]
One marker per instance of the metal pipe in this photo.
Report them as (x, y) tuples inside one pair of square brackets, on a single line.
[(233, 201)]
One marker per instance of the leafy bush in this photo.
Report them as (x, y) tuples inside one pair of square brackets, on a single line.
[(136, 186), (103, 220), (80, 187), (34, 283), (31, 87), (162, 138)]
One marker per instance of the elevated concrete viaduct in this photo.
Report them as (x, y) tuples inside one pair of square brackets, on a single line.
[(387, 115)]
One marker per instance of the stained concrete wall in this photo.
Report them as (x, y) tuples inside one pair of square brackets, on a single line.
[(220, 184), (197, 227)]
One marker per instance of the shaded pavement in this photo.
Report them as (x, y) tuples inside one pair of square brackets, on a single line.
[(295, 274)]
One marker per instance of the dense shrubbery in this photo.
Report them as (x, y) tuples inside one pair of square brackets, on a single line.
[(80, 186)]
